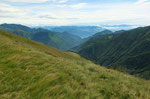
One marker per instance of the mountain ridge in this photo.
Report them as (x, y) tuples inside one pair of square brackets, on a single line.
[(81, 31), (62, 41), (128, 49)]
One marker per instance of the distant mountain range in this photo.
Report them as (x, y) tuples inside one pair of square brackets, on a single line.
[(128, 50), (86, 31), (81, 31), (119, 27), (62, 41)]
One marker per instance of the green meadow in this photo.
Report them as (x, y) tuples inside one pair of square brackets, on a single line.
[(32, 70)]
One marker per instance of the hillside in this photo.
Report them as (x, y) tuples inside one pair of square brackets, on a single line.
[(97, 35), (17, 29), (129, 50), (62, 41), (102, 33), (81, 31), (31, 70)]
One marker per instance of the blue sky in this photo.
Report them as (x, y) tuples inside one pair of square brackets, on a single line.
[(75, 12)]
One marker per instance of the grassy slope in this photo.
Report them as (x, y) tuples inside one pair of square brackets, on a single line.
[(31, 70)]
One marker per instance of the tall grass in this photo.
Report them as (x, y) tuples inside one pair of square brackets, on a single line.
[(30, 70)]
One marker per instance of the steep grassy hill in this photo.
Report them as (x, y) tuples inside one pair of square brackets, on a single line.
[(127, 50), (31, 70), (62, 41)]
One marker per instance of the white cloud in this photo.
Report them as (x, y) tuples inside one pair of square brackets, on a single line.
[(63, 1), (28, 1), (10, 11), (11, 14), (141, 1), (37, 1), (79, 6), (65, 14)]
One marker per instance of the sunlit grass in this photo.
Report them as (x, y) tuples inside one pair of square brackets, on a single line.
[(30, 70)]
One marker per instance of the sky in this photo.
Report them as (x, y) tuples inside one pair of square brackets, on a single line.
[(75, 12)]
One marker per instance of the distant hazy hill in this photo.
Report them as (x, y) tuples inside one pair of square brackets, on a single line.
[(129, 50), (105, 32), (31, 70), (17, 29), (97, 35), (82, 31), (119, 27), (62, 41)]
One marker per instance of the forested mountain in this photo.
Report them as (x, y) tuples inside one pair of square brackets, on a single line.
[(62, 41), (32, 70), (105, 32), (128, 50), (97, 35)]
